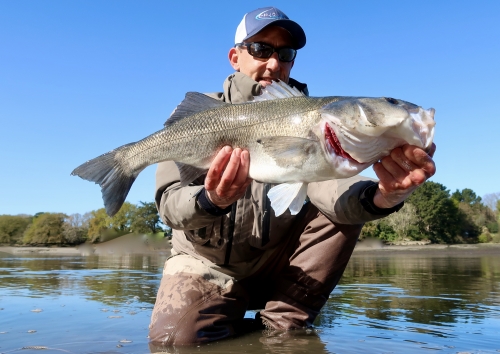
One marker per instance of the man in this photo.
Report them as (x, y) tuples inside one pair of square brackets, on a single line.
[(230, 252)]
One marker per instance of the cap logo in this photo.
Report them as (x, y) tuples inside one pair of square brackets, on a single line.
[(271, 14)]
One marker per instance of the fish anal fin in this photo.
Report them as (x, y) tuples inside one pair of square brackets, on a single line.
[(193, 103), (189, 173), (287, 195), (289, 151)]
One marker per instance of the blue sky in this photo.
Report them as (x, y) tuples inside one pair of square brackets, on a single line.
[(79, 78)]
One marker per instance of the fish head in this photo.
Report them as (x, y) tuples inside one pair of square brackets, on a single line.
[(364, 130)]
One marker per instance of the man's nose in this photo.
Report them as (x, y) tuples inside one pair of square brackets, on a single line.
[(273, 63)]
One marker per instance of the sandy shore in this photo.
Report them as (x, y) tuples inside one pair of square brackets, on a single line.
[(128, 244)]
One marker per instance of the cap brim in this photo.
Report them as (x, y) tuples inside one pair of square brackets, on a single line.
[(294, 28)]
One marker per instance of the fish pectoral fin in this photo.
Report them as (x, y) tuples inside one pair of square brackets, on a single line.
[(289, 151), (287, 195), (189, 173), (193, 103)]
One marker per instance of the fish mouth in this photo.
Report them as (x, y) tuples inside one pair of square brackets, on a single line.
[(334, 144)]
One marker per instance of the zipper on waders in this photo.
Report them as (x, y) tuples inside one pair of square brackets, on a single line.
[(266, 216), (230, 233)]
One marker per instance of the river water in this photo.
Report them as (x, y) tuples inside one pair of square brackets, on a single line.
[(389, 301)]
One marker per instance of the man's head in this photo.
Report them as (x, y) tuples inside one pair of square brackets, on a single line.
[(265, 45)]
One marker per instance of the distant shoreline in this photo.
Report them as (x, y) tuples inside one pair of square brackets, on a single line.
[(462, 249), (111, 247)]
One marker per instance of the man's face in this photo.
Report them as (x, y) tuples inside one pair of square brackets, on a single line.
[(264, 71)]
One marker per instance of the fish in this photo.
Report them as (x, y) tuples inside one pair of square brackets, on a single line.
[(292, 140)]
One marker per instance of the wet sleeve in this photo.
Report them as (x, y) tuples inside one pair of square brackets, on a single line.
[(348, 200), (178, 206)]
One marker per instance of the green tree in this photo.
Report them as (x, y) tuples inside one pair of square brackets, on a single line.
[(103, 227), (121, 221), (12, 228), (379, 229), (439, 217), (46, 229), (145, 219), (477, 215), (98, 224), (466, 196)]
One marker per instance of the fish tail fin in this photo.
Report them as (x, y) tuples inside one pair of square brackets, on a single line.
[(110, 173)]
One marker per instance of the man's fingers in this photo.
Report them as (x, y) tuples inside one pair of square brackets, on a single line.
[(242, 175), (421, 159), (432, 150), (230, 173), (217, 168), (397, 165)]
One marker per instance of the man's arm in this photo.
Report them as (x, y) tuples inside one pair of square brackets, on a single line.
[(177, 206)]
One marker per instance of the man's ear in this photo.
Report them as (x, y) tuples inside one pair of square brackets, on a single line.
[(233, 56)]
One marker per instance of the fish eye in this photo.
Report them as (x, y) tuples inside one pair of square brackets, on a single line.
[(391, 100)]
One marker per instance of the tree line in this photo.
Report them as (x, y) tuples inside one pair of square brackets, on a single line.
[(431, 213), (58, 229)]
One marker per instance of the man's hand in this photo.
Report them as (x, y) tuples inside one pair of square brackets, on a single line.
[(400, 173), (227, 178)]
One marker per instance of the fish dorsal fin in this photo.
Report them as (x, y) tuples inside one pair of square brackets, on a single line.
[(288, 195), (189, 173), (194, 102), (277, 90)]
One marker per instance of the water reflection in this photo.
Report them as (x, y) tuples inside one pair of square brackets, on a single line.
[(111, 280), (435, 290), (385, 302)]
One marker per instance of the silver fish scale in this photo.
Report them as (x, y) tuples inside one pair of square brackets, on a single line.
[(284, 137), (196, 139)]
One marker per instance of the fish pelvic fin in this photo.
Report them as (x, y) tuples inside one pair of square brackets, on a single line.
[(115, 180), (193, 103), (287, 195)]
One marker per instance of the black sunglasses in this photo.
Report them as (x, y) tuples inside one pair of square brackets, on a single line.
[(264, 51)]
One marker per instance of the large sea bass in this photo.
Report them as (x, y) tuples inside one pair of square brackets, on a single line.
[(292, 140)]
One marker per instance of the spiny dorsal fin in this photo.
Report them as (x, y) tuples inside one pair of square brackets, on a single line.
[(277, 90), (194, 102)]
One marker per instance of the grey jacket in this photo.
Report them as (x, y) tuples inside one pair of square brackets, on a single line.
[(238, 238)]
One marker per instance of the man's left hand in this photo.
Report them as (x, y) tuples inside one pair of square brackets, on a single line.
[(400, 173)]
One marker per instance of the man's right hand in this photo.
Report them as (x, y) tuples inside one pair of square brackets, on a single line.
[(227, 178)]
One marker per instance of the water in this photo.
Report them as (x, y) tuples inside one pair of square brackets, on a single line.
[(388, 302)]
